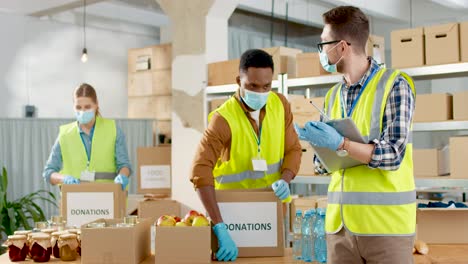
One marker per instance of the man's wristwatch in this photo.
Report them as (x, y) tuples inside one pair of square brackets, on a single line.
[(343, 151)]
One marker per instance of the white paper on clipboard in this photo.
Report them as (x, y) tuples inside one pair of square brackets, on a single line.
[(329, 159)]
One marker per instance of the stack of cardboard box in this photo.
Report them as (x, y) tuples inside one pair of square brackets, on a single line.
[(150, 87)]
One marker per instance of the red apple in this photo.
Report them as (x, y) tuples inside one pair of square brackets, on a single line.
[(190, 216), (176, 218), (200, 221), (166, 220)]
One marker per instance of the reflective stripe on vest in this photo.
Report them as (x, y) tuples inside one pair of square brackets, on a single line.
[(372, 201), (237, 172), (74, 155)]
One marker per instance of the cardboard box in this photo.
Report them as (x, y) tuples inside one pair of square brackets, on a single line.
[(126, 245), (433, 108), (464, 41), (183, 245), (458, 163), (460, 109), (152, 107), (215, 103), (375, 48), (132, 203), (407, 48), (442, 225), (442, 44), (153, 209), (135, 55), (308, 65), (303, 204), (431, 162), (302, 105), (322, 202), (254, 220), (148, 83), (161, 57), (86, 202), (223, 72), (284, 60), (154, 170), (307, 167)]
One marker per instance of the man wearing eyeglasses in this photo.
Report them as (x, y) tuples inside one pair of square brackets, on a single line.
[(371, 214)]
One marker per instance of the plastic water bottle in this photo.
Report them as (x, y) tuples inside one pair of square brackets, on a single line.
[(297, 236), (320, 237), (307, 237), (313, 220)]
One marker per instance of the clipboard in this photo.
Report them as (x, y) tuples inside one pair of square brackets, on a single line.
[(329, 159)]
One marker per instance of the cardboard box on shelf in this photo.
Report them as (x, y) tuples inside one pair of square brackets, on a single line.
[(223, 72), (442, 44), (183, 244), (376, 48), (460, 110), (322, 202), (153, 209), (300, 104), (154, 170), (433, 108), (153, 107), (442, 225), (431, 162), (308, 65), (161, 57), (284, 60), (125, 245), (458, 164), (148, 83), (135, 55), (307, 167), (464, 41), (254, 220), (407, 48), (215, 103), (86, 202)]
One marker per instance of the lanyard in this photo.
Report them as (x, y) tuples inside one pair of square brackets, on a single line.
[(257, 138), (350, 111)]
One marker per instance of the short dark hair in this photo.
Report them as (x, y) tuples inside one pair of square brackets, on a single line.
[(255, 58), (348, 23)]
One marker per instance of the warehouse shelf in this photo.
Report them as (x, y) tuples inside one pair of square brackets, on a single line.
[(441, 126), (312, 81), (438, 71), (420, 182)]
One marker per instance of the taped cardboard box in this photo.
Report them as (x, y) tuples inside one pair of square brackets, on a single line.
[(86, 202), (223, 72), (154, 208), (125, 245), (431, 162), (464, 41), (154, 170), (407, 48), (151, 107), (433, 107), (308, 65), (375, 48), (300, 104), (458, 163), (442, 225), (284, 60), (254, 220), (442, 44), (460, 109), (148, 83), (186, 244)]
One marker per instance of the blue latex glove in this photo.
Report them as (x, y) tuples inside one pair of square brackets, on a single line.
[(281, 189), (123, 180), (227, 248), (70, 180), (320, 134)]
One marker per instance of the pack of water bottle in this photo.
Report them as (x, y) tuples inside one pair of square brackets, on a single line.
[(309, 237)]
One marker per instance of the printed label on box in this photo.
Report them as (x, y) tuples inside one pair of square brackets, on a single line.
[(84, 207), (251, 224), (155, 177)]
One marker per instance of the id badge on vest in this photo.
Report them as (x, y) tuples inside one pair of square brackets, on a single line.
[(259, 163), (88, 176)]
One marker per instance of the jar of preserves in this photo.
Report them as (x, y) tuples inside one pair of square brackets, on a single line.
[(77, 232), (17, 247), (131, 220), (68, 245), (58, 223), (54, 243), (48, 231), (40, 225), (41, 248)]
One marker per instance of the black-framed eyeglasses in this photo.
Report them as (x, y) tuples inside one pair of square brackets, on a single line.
[(321, 44)]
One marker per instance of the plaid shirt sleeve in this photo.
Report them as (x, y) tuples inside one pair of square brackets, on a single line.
[(390, 148)]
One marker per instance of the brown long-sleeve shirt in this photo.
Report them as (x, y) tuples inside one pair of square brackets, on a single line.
[(216, 144)]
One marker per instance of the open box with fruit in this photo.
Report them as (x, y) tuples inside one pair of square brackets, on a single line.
[(190, 236)]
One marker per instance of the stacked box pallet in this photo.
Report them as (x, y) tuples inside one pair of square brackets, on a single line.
[(150, 87)]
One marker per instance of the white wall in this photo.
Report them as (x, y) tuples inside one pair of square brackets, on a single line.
[(40, 65)]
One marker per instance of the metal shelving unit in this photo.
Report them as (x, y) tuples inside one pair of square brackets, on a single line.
[(441, 126)]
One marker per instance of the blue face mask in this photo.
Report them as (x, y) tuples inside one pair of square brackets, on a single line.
[(84, 117), (255, 100), (325, 62)]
